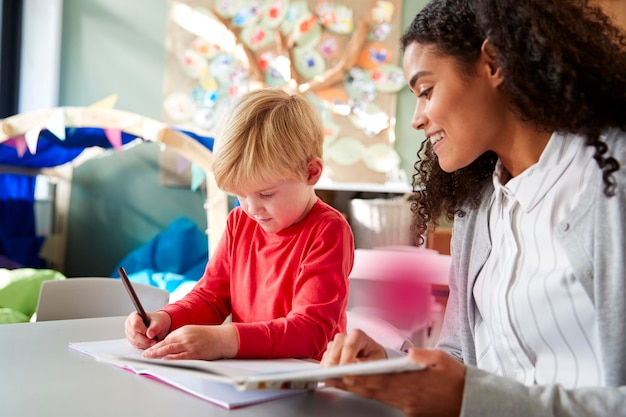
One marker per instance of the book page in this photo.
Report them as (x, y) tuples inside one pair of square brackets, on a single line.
[(245, 374), (218, 390)]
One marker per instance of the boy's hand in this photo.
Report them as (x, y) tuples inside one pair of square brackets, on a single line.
[(143, 337), (197, 342)]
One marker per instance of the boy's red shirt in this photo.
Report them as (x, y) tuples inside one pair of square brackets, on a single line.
[(287, 291)]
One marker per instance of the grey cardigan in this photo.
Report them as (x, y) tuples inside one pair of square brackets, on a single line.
[(594, 236)]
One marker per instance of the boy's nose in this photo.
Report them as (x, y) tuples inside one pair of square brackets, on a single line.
[(254, 208)]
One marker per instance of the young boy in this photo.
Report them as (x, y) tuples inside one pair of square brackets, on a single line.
[(281, 268)]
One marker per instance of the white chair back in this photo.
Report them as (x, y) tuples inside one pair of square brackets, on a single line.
[(75, 298)]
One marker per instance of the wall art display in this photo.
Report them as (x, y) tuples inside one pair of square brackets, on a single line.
[(342, 55)]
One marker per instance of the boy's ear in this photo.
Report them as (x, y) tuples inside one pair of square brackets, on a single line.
[(314, 168), (489, 57)]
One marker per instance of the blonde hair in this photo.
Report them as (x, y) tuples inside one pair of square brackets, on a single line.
[(268, 135)]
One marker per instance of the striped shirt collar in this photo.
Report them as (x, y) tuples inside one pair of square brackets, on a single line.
[(529, 187)]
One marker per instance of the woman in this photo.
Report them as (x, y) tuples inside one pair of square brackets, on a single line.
[(523, 108)]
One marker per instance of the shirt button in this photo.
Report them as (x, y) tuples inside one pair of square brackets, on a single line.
[(588, 273), (564, 227)]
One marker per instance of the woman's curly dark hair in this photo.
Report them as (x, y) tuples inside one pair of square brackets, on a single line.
[(564, 69)]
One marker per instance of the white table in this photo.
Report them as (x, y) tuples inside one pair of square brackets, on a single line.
[(40, 376)]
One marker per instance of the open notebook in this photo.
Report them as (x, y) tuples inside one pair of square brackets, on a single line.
[(234, 383)]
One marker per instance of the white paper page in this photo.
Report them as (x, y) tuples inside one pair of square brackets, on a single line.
[(107, 348), (224, 394), (236, 369), (244, 374), (264, 374), (120, 349)]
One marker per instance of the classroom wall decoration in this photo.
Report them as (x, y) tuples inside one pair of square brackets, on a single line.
[(342, 55)]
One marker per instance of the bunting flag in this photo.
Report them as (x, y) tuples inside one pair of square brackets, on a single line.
[(56, 123), (32, 138), (197, 176), (19, 143), (63, 123), (105, 103), (57, 136), (115, 138), (182, 164)]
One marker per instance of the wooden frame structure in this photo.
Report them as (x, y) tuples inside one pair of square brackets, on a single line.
[(30, 124)]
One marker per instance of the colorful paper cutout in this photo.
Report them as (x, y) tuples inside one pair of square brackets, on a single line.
[(248, 13), (331, 131), (380, 32), (340, 53), (226, 9), (182, 164), (388, 78), (205, 48), (373, 56), (56, 124), (275, 13), (114, 136), (179, 107), (336, 17), (31, 138), (370, 118), (345, 151), (380, 157), (198, 175), (277, 71), (308, 62), (382, 12), (256, 37), (106, 103), (193, 63), (328, 46), (307, 32), (296, 11), (359, 85), (19, 143)]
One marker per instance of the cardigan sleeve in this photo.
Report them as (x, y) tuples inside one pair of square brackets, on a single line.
[(489, 395)]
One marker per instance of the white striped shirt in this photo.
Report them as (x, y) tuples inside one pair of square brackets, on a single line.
[(535, 322)]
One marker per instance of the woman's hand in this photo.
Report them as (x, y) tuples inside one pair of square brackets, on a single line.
[(197, 342), (352, 347), (434, 391), (143, 337)]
